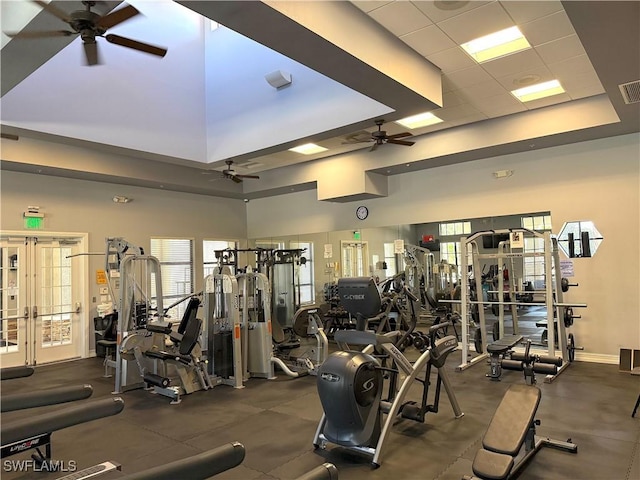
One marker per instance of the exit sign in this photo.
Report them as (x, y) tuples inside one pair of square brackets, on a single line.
[(33, 223)]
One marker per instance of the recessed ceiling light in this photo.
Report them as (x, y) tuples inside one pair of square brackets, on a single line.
[(419, 120), (308, 149), (496, 45), (539, 90)]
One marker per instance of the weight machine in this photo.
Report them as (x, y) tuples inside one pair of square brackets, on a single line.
[(555, 286)]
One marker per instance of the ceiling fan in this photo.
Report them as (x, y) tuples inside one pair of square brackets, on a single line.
[(380, 137), (90, 25), (230, 173)]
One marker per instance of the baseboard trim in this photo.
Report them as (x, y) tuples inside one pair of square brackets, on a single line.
[(92, 353), (597, 358)]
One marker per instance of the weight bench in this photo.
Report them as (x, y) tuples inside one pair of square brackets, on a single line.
[(326, 471), (498, 350), (35, 432), (512, 425), (9, 373), (40, 398)]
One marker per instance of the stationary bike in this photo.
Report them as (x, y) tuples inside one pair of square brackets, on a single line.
[(350, 382)]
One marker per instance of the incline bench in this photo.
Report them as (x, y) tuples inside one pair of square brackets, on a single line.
[(513, 424)]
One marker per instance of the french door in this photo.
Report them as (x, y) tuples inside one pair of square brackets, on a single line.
[(40, 300)]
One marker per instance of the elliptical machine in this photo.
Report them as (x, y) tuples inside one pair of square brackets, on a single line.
[(351, 383)]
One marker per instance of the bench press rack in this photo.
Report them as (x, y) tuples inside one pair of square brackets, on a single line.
[(554, 301)]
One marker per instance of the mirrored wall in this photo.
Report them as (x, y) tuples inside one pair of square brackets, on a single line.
[(384, 252)]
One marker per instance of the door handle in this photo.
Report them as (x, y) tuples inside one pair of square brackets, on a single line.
[(26, 312), (35, 311)]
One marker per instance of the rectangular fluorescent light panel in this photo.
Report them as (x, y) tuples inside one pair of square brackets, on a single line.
[(420, 120), (496, 45), (308, 149), (540, 90)]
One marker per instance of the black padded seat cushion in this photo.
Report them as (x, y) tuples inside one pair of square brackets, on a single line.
[(504, 344), (512, 419), (160, 355), (491, 465)]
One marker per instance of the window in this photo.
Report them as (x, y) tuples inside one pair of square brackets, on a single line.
[(538, 222), (176, 267), (450, 251), (391, 259), (209, 248), (305, 272), (455, 228), (355, 259), (534, 266)]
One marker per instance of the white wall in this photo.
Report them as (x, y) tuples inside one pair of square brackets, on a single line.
[(82, 206), (597, 180)]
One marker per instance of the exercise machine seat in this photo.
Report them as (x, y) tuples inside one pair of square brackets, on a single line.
[(187, 344), (189, 314), (506, 433)]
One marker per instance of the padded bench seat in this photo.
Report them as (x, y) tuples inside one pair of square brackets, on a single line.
[(504, 344), (506, 433)]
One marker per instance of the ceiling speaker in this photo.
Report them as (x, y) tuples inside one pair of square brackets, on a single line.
[(278, 79)]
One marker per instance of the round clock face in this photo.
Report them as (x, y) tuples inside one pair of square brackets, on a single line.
[(362, 212)]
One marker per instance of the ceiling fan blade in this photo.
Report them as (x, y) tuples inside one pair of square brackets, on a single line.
[(246, 176), (399, 135), (53, 10), (41, 34), (136, 45), (9, 136), (91, 53), (400, 142), (235, 178), (114, 18), (354, 141)]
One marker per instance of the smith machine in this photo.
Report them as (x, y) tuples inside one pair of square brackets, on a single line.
[(559, 314)]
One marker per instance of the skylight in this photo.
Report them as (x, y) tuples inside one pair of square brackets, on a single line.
[(496, 45), (537, 91), (420, 120), (308, 149)]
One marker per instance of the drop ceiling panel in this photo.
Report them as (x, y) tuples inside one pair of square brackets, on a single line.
[(459, 111), (546, 29), (400, 18), (451, 60), (467, 77), (368, 6), (526, 77), (571, 66), (527, 11), (510, 64), (441, 10), (583, 85), (499, 105), (476, 23), (482, 90), (544, 102), (428, 40), (560, 49)]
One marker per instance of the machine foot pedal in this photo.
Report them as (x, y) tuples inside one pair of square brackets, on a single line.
[(94, 471)]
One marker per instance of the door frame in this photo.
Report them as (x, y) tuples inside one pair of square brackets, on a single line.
[(84, 285)]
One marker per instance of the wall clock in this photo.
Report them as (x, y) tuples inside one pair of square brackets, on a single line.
[(362, 212)]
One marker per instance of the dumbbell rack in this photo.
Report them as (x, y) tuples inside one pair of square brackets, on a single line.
[(553, 286)]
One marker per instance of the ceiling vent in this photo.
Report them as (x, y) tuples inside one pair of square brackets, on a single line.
[(630, 92)]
